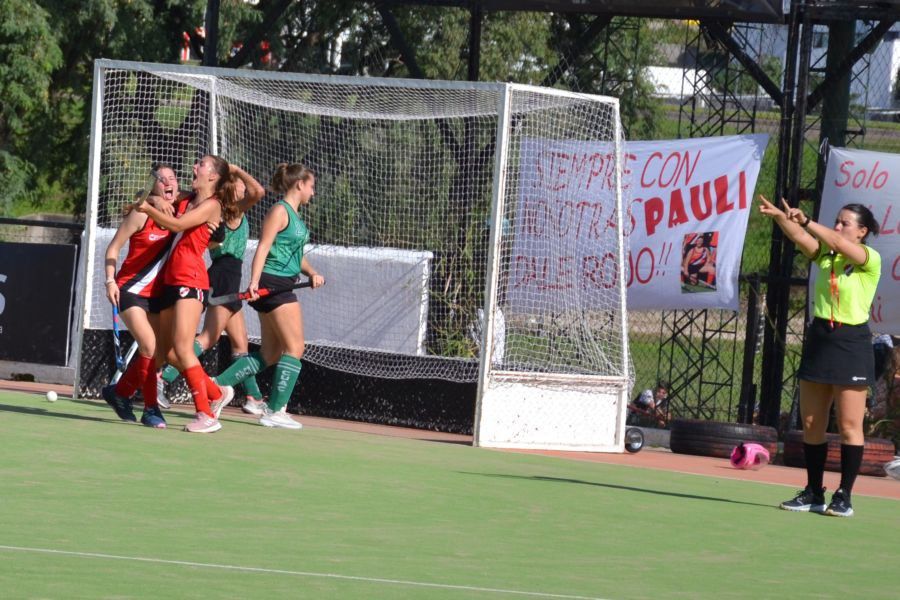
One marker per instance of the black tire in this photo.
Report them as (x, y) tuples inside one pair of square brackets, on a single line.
[(634, 439), (876, 452), (718, 439)]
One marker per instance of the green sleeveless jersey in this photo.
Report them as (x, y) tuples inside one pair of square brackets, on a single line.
[(235, 242), (850, 298), (286, 254)]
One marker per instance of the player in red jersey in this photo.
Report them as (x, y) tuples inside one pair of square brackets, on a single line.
[(135, 289), (186, 283)]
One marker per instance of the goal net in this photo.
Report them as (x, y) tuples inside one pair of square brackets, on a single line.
[(442, 222)]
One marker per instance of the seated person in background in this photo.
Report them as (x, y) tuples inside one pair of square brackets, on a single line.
[(649, 407)]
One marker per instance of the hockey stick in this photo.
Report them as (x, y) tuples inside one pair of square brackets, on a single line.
[(117, 344), (145, 192), (263, 292), (128, 356)]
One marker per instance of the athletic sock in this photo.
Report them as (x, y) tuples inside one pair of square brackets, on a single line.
[(241, 369), (851, 461), (251, 388), (213, 391), (816, 455), (196, 380), (170, 373), (134, 376), (148, 390), (286, 372)]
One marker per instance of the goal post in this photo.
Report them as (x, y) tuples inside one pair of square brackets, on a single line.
[(555, 296), (430, 224)]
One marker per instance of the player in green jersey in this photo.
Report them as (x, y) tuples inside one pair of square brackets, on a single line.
[(278, 262)]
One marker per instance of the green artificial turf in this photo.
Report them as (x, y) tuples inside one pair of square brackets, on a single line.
[(95, 508)]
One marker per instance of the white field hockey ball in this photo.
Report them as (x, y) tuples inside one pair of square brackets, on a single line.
[(51, 396)]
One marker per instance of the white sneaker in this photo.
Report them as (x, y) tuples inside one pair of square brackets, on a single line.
[(278, 419), (203, 423), (252, 406), (216, 406), (161, 397), (893, 468)]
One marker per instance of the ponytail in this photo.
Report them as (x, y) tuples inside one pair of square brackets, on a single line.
[(287, 175)]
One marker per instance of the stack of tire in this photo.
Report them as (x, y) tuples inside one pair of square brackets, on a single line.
[(876, 453), (718, 439)]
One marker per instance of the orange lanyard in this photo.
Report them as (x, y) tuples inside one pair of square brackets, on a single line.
[(835, 294)]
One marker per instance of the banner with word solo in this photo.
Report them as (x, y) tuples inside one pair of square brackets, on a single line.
[(687, 203), (871, 179)]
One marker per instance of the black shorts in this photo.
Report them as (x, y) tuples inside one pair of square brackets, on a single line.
[(173, 293), (225, 278), (128, 300), (270, 303), (839, 355)]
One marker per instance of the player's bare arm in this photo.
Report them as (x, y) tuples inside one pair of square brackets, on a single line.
[(254, 190), (161, 204), (314, 278), (207, 211), (132, 222), (833, 240), (785, 218)]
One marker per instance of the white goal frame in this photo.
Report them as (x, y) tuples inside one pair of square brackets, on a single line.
[(515, 408)]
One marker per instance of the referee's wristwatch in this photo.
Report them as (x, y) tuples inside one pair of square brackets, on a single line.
[(805, 225)]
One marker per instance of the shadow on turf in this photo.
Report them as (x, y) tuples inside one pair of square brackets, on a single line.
[(47, 413), (619, 487)]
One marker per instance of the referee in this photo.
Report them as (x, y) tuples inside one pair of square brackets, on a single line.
[(837, 365)]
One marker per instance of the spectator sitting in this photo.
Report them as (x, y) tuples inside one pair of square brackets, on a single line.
[(649, 408)]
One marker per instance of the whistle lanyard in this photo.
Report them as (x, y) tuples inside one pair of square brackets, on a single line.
[(835, 295)]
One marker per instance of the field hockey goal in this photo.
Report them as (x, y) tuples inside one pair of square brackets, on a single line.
[(459, 238)]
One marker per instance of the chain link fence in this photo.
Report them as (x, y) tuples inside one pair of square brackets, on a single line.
[(694, 87)]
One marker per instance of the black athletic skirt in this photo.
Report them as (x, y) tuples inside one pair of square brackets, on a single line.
[(270, 303), (225, 278), (839, 355)]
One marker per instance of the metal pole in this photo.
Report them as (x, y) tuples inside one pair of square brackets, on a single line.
[(210, 58), (751, 341), (475, 41), (773, 358), (836, 97), (770, 409)]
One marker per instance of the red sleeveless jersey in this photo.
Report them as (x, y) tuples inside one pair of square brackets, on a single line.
[(148, 249), (186, 266)]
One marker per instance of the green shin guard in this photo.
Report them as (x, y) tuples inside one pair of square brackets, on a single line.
[(286, 373), (241, 369), (251, 387)]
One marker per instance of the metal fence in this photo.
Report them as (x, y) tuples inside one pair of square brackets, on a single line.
[(730, 78)]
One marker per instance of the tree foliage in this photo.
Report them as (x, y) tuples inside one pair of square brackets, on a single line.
[(25, 82), (50, 46)]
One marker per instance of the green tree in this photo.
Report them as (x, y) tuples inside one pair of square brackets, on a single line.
[(30, 55)]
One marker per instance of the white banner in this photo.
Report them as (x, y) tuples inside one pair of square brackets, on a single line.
[(871, 179), (374, 298), (688, 203)]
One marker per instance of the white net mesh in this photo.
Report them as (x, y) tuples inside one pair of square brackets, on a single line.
[(559, 297), (400, 223)]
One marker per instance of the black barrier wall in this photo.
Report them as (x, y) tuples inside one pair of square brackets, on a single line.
[(35, 298)]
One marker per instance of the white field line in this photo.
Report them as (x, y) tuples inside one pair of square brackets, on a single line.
[(184, 563)]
